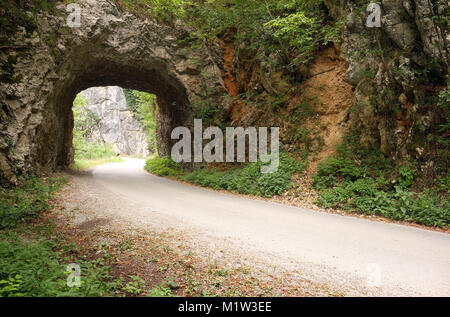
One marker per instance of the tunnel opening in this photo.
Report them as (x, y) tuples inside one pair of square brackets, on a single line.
[(170, 97)]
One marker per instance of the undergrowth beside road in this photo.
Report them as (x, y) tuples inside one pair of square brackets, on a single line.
[(33, 255), (366, 182), (19, 204), (89, 153), (244, 180), (163, 166)]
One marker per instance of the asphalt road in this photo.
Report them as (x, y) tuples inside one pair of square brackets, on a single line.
[(402, 260)]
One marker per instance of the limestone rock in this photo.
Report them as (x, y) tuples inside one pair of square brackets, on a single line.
[(116, 125)]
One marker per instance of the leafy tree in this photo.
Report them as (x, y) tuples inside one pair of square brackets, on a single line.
[(144, 107), (84, 119)]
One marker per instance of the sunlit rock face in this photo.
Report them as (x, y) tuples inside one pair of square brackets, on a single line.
[(112, 47), (116, 124)]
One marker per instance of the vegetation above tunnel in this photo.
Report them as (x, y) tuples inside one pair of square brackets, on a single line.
[(291, 29)]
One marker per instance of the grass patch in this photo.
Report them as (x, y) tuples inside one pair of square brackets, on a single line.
[(82, 164), (244, 180), (85, 149), (366, 182)]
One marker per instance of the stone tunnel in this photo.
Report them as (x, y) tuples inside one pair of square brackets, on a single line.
[(111, 47)]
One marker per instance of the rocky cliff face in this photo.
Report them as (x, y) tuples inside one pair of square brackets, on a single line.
[(116, 124), (397, 70)]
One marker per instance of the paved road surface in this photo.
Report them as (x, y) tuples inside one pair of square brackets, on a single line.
[(399, 259)]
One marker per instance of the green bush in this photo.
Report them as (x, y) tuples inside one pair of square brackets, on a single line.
[(249, 180), (274, 183), (290, 29), (39, 270), (85, 122), (334, 197), (163, 166), (144, 108), (160, 291), (10, 287), (406, 175)]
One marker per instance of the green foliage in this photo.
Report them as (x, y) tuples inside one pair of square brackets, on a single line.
[(144, 107), (163, 166), (431, 73), (205, 110), (160, 291), (164, 10), (32, 262), (42, 270), (303, 34), (362, 181), (444, 104), (249, 180), (84, 119), (135, 286), (85, 149), (274, 183), (80, 101), (27, 200), (10, 286), (406, 175), (291, 29), (132, 99), (287, 28)]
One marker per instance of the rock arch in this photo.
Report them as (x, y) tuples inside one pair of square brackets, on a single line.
[(112, 47)]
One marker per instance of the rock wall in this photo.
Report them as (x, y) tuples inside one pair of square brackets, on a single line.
[(42, 70), (116, 124), (396, 70)]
